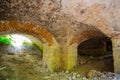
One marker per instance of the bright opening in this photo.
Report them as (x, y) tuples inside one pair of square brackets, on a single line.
[(18, 40), (16, 43)]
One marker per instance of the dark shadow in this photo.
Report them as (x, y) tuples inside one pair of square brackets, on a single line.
[(96, 53)]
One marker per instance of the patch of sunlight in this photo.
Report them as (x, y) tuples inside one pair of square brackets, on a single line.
[(18, 40)]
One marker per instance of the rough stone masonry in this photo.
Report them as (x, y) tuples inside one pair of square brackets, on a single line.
[(62, 25)]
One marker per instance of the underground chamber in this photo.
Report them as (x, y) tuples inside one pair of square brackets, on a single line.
[(96, 54)]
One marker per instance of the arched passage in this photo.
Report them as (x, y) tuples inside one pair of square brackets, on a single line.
[(95, 46), (51, 47), (96, 53), (35, 33), (20, 53)]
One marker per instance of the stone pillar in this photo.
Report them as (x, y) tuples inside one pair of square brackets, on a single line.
[(116, 53), (57, 57), (51, 57), (70, 57)]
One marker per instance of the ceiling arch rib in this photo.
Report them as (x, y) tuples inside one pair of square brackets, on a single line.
[(87, 34), (8, 27)]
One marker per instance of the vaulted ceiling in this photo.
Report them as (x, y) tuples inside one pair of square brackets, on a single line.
[(63, 18)]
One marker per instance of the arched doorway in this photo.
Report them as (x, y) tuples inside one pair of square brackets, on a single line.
[(19, 56), (20, 44), (96, 53), (19, 62)]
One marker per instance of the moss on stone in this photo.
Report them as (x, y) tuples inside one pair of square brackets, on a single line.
[(5, 40), (39, 46)]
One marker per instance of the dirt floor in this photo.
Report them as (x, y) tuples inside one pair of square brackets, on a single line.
[(27, 65), (100, 63)]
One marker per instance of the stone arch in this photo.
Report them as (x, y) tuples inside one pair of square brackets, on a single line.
[(87, 34), (33, 31), (7, 27)]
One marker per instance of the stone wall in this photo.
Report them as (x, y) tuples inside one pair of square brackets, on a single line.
[(65, 23)]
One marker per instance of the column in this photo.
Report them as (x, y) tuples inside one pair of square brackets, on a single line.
[(116, 53)]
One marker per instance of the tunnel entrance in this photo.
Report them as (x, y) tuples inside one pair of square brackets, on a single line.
[(19, 57), (16, 44), (96, 53)]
